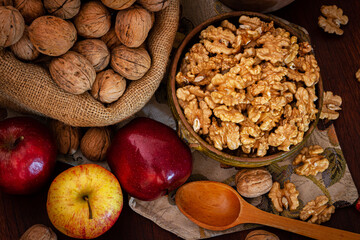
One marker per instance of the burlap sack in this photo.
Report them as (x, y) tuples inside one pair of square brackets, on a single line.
[(29, 87)]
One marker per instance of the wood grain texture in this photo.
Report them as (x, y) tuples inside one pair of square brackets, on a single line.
[(339, 59)]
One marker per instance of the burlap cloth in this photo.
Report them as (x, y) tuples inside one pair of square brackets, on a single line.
[(336, 182), (29, 87)]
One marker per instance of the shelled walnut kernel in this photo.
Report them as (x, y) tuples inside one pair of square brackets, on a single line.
[(334, 18), (319, 210), (284, 198), (313, 162), (331, 104), (250, 87)]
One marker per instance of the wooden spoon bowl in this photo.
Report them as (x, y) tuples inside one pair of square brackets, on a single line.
[(217, 206)]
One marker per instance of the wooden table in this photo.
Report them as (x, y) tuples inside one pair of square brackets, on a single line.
[(338, 58)]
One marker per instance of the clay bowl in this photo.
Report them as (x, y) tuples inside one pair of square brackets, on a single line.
[(193, 139)]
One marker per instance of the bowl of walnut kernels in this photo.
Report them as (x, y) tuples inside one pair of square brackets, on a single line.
[(245, 89)]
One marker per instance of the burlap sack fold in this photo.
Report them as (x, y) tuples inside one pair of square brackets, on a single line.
[(29, 87)]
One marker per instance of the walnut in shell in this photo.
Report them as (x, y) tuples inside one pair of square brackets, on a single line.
[(39, 232), (93, 20), (95, 143), (64, 9), (154, 5), (6, 3), (118, 4), (12, 26), (24, 49), (30, 9), (108, 86), (67, 137), (132, 26), (110, 39), (72, 72), (95, 51), (253, 182), (261, 235), (51, 35), (131, 63)]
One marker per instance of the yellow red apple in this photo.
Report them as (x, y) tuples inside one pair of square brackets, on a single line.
[(84, 201)]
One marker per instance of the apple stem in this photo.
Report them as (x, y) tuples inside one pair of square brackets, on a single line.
[(88, 202)]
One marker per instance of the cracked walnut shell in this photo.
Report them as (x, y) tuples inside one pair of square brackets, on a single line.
[(72, 72), (132, 26), (66, 136), (252, 183), (95, 142), (12, 26), (93, 20), (313, 162), (39, 232), (108, 86), (284, 198), (331, 104), (64, 9), (319, 209), (95, 51), (131, 63), (51, 35)]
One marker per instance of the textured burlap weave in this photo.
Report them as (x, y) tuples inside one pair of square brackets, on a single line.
[(28, 87)]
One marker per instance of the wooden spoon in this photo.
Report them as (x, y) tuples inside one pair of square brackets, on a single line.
[(217, 206)]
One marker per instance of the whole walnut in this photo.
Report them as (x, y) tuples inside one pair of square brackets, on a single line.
[(12, 26), (39, 232), (93, 20), (64, 9), (52, 35), (6, 3), (108, 86), (261, 235), (95, 142), (72, 72), (30, 9), (154, 5), (110, 39), (254, 182), (67, 137), (132, 26), (24, 49), (95, 51), (131, 63), (118, 4)]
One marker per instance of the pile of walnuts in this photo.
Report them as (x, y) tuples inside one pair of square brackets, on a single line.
[(249, 87), (94, 46)]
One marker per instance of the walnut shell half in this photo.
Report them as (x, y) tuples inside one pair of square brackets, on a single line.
[(132, 26), (12, 26), (30, 9), (24, 49), (93, 20), (131, 63), (95, 142), (64, 9), (108, 86), (51, 35), (95, 51), (72, 72)]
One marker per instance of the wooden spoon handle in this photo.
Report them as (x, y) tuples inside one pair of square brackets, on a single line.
[(296, 226)]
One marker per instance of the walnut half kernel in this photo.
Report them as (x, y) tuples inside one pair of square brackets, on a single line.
[(286, 198), (319, 209), (331, 105), (313, 162)]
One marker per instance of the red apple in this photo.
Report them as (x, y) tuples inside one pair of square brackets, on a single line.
[(149, 159), (27, 155), (84, 201)]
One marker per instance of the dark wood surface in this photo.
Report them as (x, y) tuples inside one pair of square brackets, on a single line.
[(339, 59)]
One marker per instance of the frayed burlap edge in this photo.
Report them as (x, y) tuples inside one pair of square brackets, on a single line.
[(29, 88)]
